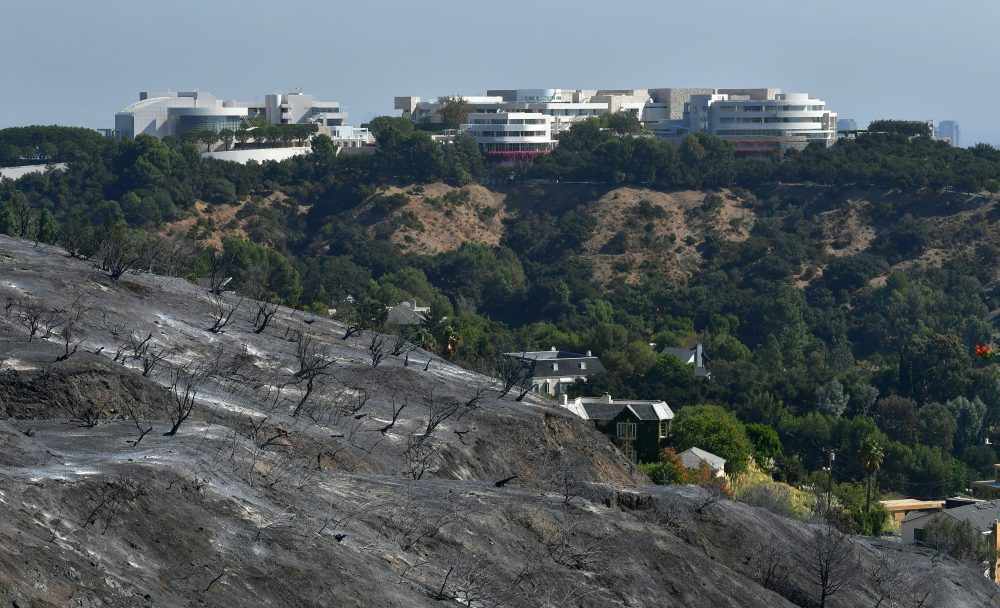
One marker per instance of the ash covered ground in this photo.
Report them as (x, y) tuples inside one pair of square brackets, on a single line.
[(306, 476)]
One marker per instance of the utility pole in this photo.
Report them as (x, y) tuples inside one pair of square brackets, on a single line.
[(829, 484)]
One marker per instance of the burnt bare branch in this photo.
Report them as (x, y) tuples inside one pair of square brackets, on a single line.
[(262, 316), (185, 386), (376, 347), (396, 411), (223, 312)]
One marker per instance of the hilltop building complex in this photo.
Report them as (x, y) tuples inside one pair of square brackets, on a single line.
[(756, 121)]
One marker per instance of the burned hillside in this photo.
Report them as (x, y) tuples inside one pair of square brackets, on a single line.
[(160, 448)]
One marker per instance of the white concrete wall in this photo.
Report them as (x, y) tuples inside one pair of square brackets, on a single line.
[(244, 156), (17, 172)]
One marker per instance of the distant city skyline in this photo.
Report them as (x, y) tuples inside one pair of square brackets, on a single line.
[(79, 63)]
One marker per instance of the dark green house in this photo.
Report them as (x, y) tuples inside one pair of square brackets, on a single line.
[(639, 428)]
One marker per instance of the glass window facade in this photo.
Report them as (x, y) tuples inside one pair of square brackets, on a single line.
[(206, 123)]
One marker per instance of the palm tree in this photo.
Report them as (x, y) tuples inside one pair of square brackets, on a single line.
[(871, 461)]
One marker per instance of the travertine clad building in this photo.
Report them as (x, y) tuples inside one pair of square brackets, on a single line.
[(174, 113), (757, 121)]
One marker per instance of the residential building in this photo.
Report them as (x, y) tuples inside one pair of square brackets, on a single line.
[(979, 513), (694, 457), (407, 313), (948, 130), (694, 355), (983, 516), (163, 114), (639, 428), (553, 371)]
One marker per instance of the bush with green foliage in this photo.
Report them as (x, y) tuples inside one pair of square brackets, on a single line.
[(958, 539), (766, 445), (714, 429)]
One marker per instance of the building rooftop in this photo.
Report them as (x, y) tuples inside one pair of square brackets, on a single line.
[(911, 504), (687, 354), (980, 515), (406, 313), (135, 107), (694, 355), (694, 456), (593, 408), (559, 363), (548, 355)]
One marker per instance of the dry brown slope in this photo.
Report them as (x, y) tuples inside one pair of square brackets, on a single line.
[(434, 218), (647, 232)]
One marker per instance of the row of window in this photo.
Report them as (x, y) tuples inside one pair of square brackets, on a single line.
[(571, 112), (509, 133), (765, 132), (581, 365), (515, 147), (512, 121), (771, 119), (770, 108), (546, 111)]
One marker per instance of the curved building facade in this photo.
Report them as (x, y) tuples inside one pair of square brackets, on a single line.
[(755, 121), (510, 131), (788, 115), (176, 113)]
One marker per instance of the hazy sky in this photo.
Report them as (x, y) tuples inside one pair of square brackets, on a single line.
[(77, 62)]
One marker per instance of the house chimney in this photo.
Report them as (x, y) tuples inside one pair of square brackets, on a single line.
[(563, 399), (606, 398), (588, 354), (553, 349)]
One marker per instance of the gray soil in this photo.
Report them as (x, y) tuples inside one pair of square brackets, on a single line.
[(385, 488)]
